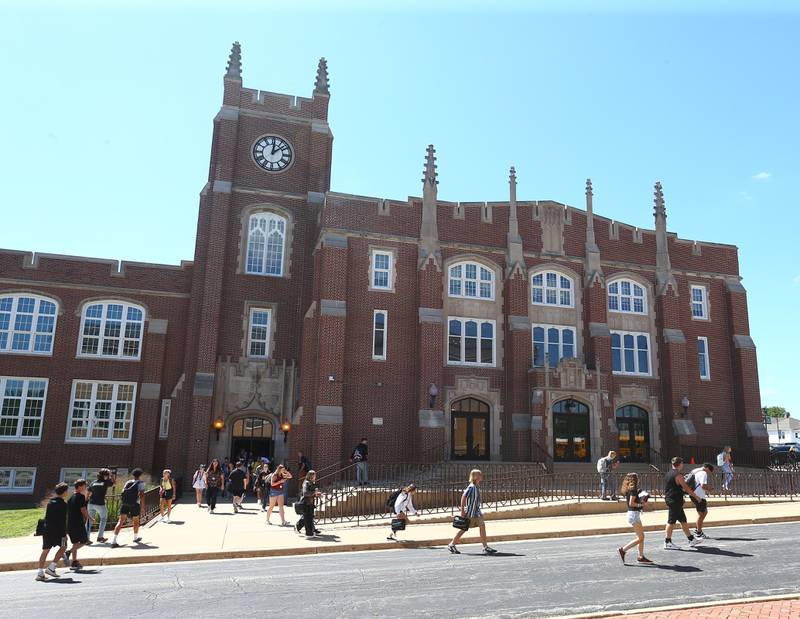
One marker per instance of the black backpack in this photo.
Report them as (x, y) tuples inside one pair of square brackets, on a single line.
[(392, 499), (130, 492), (690, 481)]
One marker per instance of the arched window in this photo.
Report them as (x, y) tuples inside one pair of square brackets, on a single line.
[(471, 280), (111, 329), (27, 324), (266, 240), (625, 295), (552, 288)]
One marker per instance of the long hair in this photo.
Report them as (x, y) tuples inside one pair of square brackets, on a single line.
[(409, 488), (631, 482), (474, 474), (214, 467)]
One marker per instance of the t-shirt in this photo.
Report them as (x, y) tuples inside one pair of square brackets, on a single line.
[(213, 479), (237, 477), (139, 488), (166, 485), (637, 501), (700, 478), (55, 518), (98, 489), (277, 482), (75, 519), (673, 492), (473, 506)]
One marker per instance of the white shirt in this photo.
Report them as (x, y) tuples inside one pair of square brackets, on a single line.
[(403, 503), (700, 479)]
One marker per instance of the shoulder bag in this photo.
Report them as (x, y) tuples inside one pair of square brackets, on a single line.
[(461, 522)]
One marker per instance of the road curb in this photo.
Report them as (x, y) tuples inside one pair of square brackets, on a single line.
[(696, 605), (359, 547)]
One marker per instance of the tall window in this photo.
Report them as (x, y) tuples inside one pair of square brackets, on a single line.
[(111, 329), (27, 324), (555, 341), (470, 342), (258, 333), (551, 288), (379, 320), (471, 280), (625, 295), (699, 302), (381, 270), (163, 423), (22, 408), (101, 412), (630, 353), (702, 357), (17, 480), (266, 240)]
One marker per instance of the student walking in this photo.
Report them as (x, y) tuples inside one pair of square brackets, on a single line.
[(725, 461), (199, 484), (697, 480), (97, 502), (166, 494), (309, 492), (214, 482), (359, 458), (77, 517), (263, 487), (226, 471), (237, 484), (635, 500), (403, 507), (55, 532), (276, 495), (132, 505), (471, 508), (608, 482), (674, 489), (303, 466)]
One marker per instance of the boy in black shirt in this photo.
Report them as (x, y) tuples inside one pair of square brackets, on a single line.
[(97, 501), (55, 532), (77, 517)]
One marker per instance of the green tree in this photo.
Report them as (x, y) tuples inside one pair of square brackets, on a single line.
[(775, 411)]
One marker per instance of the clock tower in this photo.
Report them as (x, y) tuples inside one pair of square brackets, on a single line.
[(251, 284)]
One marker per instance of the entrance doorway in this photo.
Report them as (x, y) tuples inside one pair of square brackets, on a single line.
[(469, 430), (634, 434), (251, 438), (571, 432)]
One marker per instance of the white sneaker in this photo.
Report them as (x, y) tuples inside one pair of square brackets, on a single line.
[(51, 572), (137, 539), (696, 542), (671, 546), (40, 576), (167, 520)]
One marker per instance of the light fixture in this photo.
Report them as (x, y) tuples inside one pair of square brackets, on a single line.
[(433, 392), (685, 404), (331, 378), (286, 427), (218, 424)]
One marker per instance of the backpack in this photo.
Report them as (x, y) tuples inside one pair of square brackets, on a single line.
[(602, 465), (690, 481), (721, 458), (357, 456), (393, 499), (130, 492)]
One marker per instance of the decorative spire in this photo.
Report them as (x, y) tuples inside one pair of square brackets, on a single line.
[(659, 210), (664, 275), (514, 259), (321, 84), (234, 70), (429, 231), (594, 271)]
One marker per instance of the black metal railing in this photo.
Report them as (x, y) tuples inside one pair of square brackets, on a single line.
[(114, 500)]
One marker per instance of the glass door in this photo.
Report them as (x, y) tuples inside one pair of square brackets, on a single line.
[(469, 430), (571, 432)]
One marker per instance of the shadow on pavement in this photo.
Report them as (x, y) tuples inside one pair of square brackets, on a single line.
[(710, 550), (671, 568), (141, 546), (326, 538), (85, 571), (63, 581), (738, 539)]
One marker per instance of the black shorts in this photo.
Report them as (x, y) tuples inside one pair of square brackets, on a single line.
[(236, 491), (53, 542), (131, 510), (78, 535), (676, 513), (701, 506), (167, 496)]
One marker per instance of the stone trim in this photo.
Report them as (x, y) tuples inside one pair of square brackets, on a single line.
[(150, 391), (744, 341), (222, 186), (244, 231), (520, 421), (228, 112), (111, 289), (331, 307), (755, 429), (519, 323), (683, 427), (431, 418), (334, 240), (674, 336), (316, 197), (733, 285), (431, 315), (272, 328), (329, 415), (203, 384), (157, 326), (599, 329)]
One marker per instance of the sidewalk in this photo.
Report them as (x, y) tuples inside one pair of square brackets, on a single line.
[(786, 608), (194, 534)]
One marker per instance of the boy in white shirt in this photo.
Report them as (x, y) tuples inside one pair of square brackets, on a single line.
[(701, 487)]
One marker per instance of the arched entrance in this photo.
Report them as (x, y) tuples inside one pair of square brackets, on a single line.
[(633, 426), (571, 431), (469, 436), (252, 437)]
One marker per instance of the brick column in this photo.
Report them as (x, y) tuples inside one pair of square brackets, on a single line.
[(517, 361), (598, 358), (431, 445), (672, 371), (148, 408)]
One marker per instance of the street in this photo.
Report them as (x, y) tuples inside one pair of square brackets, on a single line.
[(526, 579)]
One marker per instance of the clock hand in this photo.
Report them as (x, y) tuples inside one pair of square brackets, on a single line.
[(274, 149)]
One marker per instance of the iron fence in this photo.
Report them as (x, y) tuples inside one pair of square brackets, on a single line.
[(114, 501)]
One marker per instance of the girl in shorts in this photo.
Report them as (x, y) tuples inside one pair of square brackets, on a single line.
[(166, 494), (635, 500), (276, 495)]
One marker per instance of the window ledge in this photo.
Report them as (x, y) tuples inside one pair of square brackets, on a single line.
[(26, 353), (644, 313), (472, 365), (636, 374), (552, 305), (97, 441), (701, 319), (20, 439), (16, 490), (109, 358), (374, 289)]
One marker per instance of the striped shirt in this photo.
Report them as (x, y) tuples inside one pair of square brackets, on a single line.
[(473, 505)]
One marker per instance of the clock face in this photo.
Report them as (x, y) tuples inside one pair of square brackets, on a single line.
[(272, 153)]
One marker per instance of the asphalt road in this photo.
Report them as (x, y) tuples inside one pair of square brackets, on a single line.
[(526, 579)]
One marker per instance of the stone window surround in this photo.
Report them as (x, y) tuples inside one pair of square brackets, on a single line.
[(477, 387), (163, 418), (552, 364), (463, 320), (707, 356), (41, 295), (558, 270), (636, 351), (26, 380), (706, 301), (80, 313), (101, 441), (385, 334), (244, 223), (558, 315), (463, 278), (380, 249), (273, 319), (646, 300)]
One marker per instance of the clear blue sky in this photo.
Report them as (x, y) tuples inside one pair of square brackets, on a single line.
[(105, 120)]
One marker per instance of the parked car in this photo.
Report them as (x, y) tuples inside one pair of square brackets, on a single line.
[(783, 454)]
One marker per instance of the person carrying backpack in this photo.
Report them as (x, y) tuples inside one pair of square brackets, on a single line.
[(403, 505), (54, 534), (132, 504), (725, 462), (697, 480), (359, 458), (608, 483), (674, 489)]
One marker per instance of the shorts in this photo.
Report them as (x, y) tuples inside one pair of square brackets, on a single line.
[(53, 542), (676, 513), (634, 517), (475, 522), (236, 491), (701, 506), (275, 493), (131, 510), (78, 535), (167, 496)]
